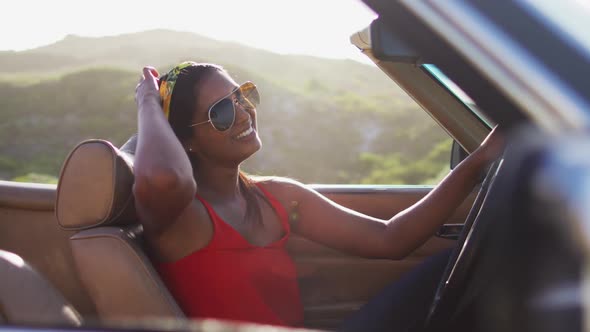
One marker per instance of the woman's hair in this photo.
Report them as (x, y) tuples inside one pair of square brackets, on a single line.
[(183, 100), (182, 104)]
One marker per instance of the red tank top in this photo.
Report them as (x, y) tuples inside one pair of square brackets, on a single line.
[(234, 280)]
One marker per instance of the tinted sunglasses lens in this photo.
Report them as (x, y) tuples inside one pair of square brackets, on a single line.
[(250, 92), (222, 114)]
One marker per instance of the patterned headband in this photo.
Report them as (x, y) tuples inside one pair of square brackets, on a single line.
[(167, 85)]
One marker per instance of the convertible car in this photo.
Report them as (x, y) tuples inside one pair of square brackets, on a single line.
[(72, 257)]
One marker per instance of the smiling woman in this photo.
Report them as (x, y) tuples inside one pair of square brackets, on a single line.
[(208, 224), (170, 226), (188, 201)]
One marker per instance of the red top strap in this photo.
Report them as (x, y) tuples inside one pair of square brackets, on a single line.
[(235, 280)]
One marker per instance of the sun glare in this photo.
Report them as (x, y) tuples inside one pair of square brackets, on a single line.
[(325, 25)]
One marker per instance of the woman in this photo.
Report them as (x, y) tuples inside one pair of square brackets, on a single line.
[(217, 234)]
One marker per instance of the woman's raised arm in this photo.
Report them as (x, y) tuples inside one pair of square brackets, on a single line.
[(331, 224), (164, 183)]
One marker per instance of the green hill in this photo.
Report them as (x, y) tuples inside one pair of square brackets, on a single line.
[(163, 48), (315, 111)]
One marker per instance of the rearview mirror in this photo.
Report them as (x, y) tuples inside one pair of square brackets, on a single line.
[(386, 46), (457, 154)]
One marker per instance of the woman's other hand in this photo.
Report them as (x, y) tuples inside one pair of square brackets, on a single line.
[(147, 89)]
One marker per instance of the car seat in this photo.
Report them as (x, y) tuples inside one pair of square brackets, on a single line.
[(95, 198), (27, 298)]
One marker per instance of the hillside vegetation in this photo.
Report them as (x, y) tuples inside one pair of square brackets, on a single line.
[(320, 120)]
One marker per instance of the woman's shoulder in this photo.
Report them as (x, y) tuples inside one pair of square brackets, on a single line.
[(288, 192), (281, 187), (278, 182), (274, 180)]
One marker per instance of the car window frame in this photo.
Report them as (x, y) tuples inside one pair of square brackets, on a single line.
[(437, 100)]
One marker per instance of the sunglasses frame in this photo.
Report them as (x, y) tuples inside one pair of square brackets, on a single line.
[(247, 83)]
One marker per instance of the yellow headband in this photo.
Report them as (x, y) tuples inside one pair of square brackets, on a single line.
[(167, 85)]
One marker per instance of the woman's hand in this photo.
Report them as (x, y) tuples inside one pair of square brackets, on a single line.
[(491, 148), (147, 89)]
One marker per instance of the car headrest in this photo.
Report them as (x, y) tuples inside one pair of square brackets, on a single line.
[(95, 186)]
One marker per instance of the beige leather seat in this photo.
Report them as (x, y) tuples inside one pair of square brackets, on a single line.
[(94, 196), (27, 298)]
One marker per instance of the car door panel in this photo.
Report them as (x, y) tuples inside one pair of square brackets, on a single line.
[(333, 284), (29, 228)]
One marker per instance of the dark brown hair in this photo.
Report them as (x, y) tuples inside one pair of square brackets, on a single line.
[(182, 104)]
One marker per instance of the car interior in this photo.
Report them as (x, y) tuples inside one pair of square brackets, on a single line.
[(77, 247), (92, 249), (27, 297)]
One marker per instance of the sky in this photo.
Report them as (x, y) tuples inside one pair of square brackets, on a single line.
[(274, 25)]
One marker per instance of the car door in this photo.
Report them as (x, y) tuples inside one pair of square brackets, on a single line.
[(333, 284)]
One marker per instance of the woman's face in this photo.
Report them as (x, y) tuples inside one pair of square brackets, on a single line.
[(233, 145)]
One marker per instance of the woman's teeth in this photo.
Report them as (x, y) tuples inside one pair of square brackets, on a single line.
[(245, 133)]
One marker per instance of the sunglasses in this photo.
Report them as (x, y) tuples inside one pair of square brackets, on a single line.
[(222, 113)]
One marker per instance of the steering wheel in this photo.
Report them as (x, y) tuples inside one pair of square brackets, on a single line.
[(462, 258)]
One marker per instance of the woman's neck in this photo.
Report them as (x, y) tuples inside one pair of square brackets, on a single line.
[(218, 183)]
